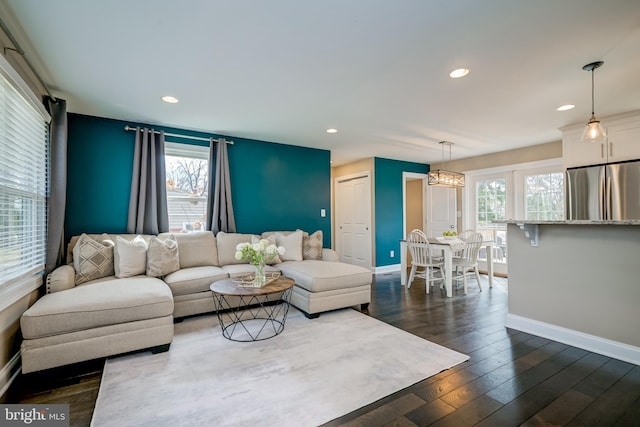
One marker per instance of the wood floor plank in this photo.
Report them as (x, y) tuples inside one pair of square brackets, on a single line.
[(561, 410), (387, 413), (470, 413), (611, 406)]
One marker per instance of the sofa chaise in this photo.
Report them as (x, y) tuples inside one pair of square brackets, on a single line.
[(122, 293)]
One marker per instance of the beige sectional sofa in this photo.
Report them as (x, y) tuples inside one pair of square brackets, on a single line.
[(87, 314)]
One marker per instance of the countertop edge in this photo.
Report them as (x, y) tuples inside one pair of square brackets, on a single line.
[(570, 222)]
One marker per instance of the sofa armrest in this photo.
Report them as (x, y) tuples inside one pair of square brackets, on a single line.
[(63, 277), (330, 255)]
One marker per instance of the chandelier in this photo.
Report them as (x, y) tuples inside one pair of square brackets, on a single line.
[(443, 177)]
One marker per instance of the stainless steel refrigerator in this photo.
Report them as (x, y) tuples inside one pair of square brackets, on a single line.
[(606, 192)]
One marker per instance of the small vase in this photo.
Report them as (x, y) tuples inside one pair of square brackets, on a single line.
[(259, 278)]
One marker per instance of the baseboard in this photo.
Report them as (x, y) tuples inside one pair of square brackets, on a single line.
[(387, 269), (9, 373), (617, 350)]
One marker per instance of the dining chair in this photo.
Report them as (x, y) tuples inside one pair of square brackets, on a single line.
[(423, 262), (467, 235), (467, 261)]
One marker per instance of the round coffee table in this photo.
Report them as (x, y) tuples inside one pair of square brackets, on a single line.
[(252, 314)]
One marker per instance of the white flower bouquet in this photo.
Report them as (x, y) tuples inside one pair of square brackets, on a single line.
[(258, 253)]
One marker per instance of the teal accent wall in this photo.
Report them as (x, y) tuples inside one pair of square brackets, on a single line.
[(274, 186), (389, 206)]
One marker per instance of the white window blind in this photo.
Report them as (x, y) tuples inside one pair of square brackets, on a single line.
[(23, 186)]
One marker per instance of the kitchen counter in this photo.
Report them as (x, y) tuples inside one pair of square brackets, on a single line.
[(570, 222), (577, 285)]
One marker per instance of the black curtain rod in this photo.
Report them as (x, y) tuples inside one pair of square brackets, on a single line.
[(178, 135)]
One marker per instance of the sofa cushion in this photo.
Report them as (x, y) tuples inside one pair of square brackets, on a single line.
[(130, 257), (292, 244), (227, 243), (95, 305), (93, 258), (162, 256), (195, 279), (197, 249), (320, 276), (312, 246)]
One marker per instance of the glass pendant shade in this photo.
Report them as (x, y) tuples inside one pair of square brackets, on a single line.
[(594, 132), (445, 178)]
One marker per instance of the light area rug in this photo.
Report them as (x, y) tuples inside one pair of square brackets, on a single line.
[(313, 372)]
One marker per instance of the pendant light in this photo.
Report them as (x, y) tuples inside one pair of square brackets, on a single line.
[(593, 132), (445, 178)]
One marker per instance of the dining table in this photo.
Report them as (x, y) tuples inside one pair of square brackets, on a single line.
[(448, 247)]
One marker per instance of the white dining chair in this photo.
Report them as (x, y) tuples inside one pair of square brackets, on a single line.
[(423, 261), (467, 261)]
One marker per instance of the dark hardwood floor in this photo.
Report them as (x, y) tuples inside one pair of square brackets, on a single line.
[(511, 379)]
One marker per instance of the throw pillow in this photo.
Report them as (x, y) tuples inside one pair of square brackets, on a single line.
[(227, 243), (92, 259), (197, 249), (272, 241), (162, 256), (312, 246), (130, 257), (292, 245)]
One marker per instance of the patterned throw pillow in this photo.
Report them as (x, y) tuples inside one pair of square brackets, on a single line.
[(312, 246), (162, 256), (130, 257), (92, 259)]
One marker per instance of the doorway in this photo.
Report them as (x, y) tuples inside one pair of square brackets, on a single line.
[(429, 208)]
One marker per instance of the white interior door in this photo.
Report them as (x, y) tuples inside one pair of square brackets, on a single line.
[(440, 209), (353, 214)]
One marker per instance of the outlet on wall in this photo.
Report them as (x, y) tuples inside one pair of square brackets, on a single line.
[(392, 254)]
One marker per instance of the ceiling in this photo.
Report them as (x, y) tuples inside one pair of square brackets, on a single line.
[(376, 70)]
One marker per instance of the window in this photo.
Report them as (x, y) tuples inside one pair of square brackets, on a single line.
[(187, 169), (532, 191), (491, 205), (491, 201), (544, 196), (23, 187)]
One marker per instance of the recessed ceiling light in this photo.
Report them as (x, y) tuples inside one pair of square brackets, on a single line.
[(170, 99), (460, 72), (332, 130), (566, 107)]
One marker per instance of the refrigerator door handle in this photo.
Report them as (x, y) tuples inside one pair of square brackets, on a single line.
[(607, 198)]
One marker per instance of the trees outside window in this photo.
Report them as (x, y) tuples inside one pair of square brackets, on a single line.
[(187, 172)]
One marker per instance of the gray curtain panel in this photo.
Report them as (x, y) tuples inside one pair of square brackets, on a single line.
[(148, 212), (219, 205), (57, 182)]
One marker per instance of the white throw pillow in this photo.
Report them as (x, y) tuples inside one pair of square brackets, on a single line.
[(130, 257), (292, 245), (162, 256)]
